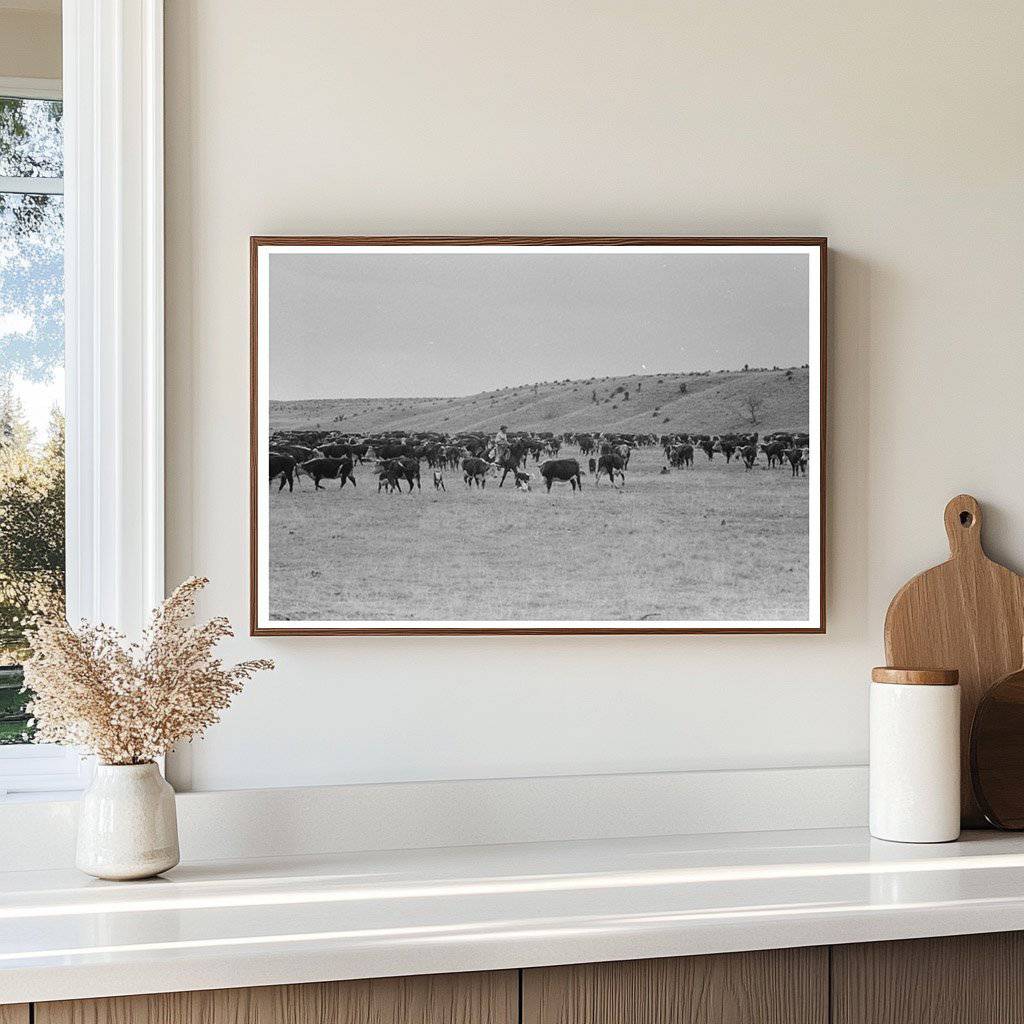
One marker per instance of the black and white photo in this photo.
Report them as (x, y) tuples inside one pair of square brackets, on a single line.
[(537, 435)]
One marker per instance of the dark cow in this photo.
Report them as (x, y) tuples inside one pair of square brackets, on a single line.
[(405, 467), (283, 466), (476, 471), (388, 478), (564, 470), (335, 451), (797, 460), (774, 451), (592, 464), (708, 448), (748, 453), (329, 469), (682, 455), (611, 464)]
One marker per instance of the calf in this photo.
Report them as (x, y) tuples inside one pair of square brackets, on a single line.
[(522, 480), (564, 470), (439, 480), (592, 464)]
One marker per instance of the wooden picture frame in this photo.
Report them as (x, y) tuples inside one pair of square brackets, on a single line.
[(263, 248)]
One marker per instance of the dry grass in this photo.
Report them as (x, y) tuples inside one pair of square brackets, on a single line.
[(713, 403), (711, 543)]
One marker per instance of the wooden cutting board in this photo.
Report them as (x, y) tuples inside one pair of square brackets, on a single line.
[(967, 614)]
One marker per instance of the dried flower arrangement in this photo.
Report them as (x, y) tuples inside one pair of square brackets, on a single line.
[(129, 703)]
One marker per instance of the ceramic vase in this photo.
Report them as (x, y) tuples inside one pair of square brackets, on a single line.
[(127, 826)]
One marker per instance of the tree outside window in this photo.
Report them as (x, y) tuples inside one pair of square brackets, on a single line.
[(31, 385)]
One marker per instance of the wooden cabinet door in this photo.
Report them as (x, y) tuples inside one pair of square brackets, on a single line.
[(962, 979), (479, 998), (14, 1013), (778, 986)]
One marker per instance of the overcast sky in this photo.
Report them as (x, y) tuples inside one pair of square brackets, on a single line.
[(358, 325)]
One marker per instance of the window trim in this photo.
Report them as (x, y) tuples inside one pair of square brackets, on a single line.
[(31, 88), (112, 89)]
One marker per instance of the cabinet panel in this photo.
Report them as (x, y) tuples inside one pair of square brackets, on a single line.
[(779, 986), (14, 1013), (962, 979), (479, 998)]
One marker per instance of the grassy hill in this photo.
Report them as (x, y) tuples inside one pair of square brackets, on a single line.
[(713, 402)]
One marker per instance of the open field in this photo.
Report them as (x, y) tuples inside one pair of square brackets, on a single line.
[(711, 543), (713, 402)]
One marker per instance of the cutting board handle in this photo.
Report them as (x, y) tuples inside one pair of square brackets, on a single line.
[(963, 526)]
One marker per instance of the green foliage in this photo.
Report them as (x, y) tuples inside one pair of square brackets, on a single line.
[(31, 542)]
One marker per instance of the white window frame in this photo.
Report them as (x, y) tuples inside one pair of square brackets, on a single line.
[(114, 327)]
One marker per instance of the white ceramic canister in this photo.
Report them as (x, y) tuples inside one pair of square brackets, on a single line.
[(915, 755), (127, 824)]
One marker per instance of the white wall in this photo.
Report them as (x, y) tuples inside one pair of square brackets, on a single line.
[(895, 129)]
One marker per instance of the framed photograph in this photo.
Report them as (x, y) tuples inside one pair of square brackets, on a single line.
[(458, 435)]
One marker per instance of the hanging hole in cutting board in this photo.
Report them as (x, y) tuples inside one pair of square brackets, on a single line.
[(966, 518)]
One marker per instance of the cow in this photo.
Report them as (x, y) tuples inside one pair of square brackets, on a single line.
[(592, 465), (439, 481), (329, 469), (773, 450), (611, 464), (283, 466), (682, 455), (797, 460), (522, 480), (748, 453), (476, 471), (708, 448), (387, 478), (564, 470), (406, 466), (727, 446), (335, 451)]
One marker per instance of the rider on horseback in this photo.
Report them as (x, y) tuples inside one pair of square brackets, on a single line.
[(501, 445)]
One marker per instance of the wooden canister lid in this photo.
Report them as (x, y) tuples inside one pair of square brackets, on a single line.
[(916, 676)]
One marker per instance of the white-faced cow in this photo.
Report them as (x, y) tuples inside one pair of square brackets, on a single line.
[(611, 465), (564, 470)]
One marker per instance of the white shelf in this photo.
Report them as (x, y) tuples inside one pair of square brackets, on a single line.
[(352, 915)]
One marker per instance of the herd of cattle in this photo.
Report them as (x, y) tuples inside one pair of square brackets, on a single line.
[(397, 456)]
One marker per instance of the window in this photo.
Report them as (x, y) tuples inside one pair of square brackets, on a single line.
[(32, 553)]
